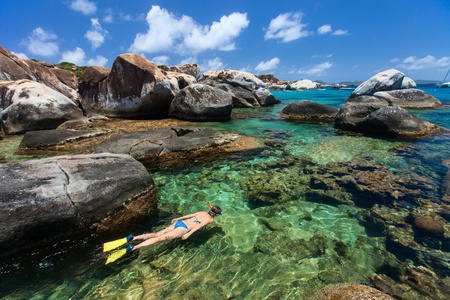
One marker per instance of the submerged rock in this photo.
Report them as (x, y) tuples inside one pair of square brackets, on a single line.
[(30, 105), (429, 226), (349, 291), (45, 200), (308, 110)]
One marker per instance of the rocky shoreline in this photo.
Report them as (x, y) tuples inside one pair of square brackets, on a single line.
[(109, 185)]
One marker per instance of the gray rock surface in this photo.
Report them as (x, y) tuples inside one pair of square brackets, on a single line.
[(48, 138), (29, 105), (200, 102), (43, 200), (308, 110), (152, 143), (384, 120)]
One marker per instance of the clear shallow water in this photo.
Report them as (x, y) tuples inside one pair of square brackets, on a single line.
[(255, 250)]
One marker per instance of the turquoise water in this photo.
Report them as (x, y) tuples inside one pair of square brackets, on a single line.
[(279, 237)]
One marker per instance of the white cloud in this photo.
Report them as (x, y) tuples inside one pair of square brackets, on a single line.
[(287, 27), (429, 61), (109, 16), (329, 55), (316, 70), (42, 42), (212, 65), (96, 35), (99, 60), (340, 32), (78, 57), (168, 32), (324, 29), (20, 55), (161, 60), (84, 6), (219, 35), (268, 65)]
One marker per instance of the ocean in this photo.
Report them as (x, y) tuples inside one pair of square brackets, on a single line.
[(294, 220)]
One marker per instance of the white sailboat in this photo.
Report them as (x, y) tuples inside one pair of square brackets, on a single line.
[(444, 84)]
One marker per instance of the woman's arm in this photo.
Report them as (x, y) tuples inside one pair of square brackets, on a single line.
[(196, 227)]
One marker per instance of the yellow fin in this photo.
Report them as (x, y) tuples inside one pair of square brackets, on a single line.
[(115, 256), (114, 244)]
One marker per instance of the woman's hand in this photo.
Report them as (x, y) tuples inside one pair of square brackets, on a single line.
[(184, 237), (173, 221)]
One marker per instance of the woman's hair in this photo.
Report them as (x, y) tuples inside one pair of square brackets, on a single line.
[(215, 211)]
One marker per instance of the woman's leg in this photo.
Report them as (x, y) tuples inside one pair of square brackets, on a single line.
[(152, 235), (173, 234)]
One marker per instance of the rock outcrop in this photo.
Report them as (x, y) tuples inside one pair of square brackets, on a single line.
[(247, 90), (200, 102), (305, 84), (29, 105), (189, 69), (135, 87), (393, 88), (150, 145), (308, 110), (44, 200), (14, 68), (384, 120)]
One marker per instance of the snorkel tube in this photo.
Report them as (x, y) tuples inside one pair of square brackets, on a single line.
[(209, 204)]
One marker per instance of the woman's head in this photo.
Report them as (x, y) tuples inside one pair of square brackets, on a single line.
[(215, 211)]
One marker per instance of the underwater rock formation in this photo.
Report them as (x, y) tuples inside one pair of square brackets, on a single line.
[(349, 291)]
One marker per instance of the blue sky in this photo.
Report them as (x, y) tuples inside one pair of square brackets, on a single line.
[(319, 40)]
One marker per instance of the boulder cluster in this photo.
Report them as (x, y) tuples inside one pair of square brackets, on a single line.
[(378, 106), (38, 96), (274, 84)]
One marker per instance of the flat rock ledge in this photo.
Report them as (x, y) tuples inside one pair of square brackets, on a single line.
[(45, 200), (173, 144), (41, 139)]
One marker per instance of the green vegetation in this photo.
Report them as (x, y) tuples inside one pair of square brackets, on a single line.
[(71, 67)]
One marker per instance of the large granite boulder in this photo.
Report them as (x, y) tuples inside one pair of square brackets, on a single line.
[(393, 88), (135, 87), (409, 99), (92, 85), (308, 110), (384, 81), (305, 84), (247, 90), (200, 102), (44, 139), (384, 120), (14, 68), (29, 105), (189, 69), (45, 200)]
